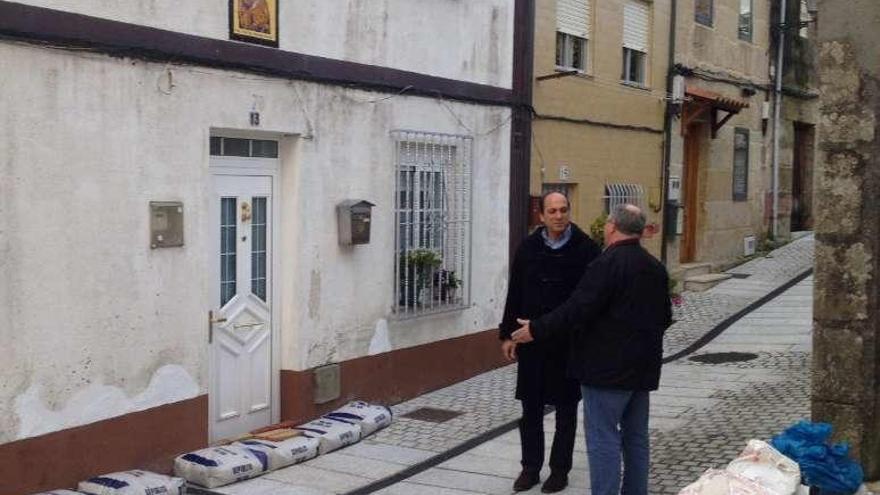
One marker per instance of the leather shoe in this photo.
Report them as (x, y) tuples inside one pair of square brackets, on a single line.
[(525, 481), (556, 482)]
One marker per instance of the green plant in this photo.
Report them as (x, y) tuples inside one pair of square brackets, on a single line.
[(597, 230)]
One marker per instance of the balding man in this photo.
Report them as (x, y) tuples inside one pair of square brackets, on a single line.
[(621, 310), (546, 268)]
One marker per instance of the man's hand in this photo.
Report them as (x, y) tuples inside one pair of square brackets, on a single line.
[(508, 349), (524, 334)]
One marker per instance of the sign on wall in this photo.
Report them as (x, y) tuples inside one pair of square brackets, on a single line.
[(254, 21)]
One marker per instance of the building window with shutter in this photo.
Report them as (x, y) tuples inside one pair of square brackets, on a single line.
[(433, 218), (703, 12), (636, 31), (740, 164), (745, 20), (572, 34)]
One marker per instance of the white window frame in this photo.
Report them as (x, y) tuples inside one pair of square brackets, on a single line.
[(565, 52), (751, 18), (636, 42), (642, 60), (432, 221)]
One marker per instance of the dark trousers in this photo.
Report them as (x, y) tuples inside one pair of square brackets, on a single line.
[(531, 434)]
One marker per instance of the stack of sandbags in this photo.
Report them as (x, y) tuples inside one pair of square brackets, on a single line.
[(218, 466), (764, 465), (133, 482), (369, 417), (283, 452), (332, 433)]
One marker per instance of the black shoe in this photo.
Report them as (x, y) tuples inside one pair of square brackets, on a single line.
[(556, 482), (525, 481)]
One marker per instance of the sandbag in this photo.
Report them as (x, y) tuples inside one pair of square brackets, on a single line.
[(369, 417), (766, 466), (826, 467), (332, 433), (286, 452), (218, 466), (133, 482), (723, 482)]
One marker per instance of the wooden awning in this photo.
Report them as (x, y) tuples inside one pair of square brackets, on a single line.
[(699, 102)]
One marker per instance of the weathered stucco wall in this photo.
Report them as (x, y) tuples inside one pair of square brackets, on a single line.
[(97, 324), (846, 360), (457, 39)]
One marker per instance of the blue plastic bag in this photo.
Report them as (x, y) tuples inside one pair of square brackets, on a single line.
[(823, 466)]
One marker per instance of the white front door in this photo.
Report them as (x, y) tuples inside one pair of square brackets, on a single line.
[(241, 340)]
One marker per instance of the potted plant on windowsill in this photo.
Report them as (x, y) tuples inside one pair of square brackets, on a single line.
[(446, 285), (419, 266)]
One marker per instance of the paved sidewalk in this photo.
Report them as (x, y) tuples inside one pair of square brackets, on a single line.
[(696, 415)]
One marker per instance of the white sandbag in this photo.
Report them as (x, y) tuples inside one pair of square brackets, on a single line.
[(60, 492), (332, 433), (764, 465), (218, 466), (370, 417), (722, 482), (133, 482), (286, 452)]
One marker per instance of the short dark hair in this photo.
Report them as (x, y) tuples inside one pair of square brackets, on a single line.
[(548, 193), (629, 219)]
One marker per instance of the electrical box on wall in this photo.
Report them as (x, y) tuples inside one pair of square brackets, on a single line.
[(354, 218), (674, 189), (166, 224)]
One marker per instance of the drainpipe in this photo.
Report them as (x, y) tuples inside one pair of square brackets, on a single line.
[(667, 128), (777, 107)]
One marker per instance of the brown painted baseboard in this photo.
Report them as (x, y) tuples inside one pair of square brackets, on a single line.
[(147, 439), (394, 376)]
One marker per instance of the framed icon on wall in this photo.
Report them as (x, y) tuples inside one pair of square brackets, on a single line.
[(254, 21)]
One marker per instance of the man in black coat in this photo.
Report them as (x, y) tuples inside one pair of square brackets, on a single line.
[(546, 268), (621, 310)]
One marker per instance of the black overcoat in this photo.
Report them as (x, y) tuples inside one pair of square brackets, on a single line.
[(541, 278), (621, 310)]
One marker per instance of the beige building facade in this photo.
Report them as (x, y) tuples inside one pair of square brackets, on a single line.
[(599, 99)]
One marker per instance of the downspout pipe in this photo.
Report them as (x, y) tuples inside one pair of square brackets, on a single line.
[(777, 114), (667, 129)]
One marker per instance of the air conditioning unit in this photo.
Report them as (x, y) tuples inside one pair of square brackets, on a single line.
[(749, 243)]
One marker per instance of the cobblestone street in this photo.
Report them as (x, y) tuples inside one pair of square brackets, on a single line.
[(701, 417)]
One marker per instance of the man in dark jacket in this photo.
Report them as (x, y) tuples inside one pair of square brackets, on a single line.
[(546, 268), (621, 310)]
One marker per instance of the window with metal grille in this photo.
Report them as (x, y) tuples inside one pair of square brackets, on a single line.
[(433, 218), (621, 194)]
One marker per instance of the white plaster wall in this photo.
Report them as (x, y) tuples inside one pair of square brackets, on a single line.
[(458, 39), (88, 312)]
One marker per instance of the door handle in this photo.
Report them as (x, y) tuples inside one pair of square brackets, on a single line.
[(211, 322)]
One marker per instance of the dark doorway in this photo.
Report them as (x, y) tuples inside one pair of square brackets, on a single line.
[(802, 177)]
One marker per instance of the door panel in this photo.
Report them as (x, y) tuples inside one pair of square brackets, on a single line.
[(242, 330), (688, 246)]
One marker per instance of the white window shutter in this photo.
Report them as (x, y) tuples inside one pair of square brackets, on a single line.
[(573, 17), (636, 25)]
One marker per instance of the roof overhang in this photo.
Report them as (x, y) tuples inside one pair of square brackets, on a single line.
[(700, 103)]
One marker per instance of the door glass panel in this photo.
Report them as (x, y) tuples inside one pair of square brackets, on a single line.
[(258, 248), (227, 249)]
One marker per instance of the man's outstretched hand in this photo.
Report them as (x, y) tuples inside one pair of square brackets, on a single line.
[(522, 335)]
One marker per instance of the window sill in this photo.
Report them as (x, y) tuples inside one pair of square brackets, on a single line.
[(438, 309), (635, 85), (580, 72)]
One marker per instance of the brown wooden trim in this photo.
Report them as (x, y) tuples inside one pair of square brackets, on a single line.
[(394, 376), (26, 22), (521, 125), (147, 439)]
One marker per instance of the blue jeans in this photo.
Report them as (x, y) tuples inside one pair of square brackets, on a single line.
[(616, 422)]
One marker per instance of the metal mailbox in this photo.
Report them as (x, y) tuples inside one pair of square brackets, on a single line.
[(354, 217)]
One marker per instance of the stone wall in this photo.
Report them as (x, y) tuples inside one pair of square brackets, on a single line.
[(846, 380)]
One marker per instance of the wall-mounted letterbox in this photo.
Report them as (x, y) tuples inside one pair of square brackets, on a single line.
[(166, 224), (354, 218)]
